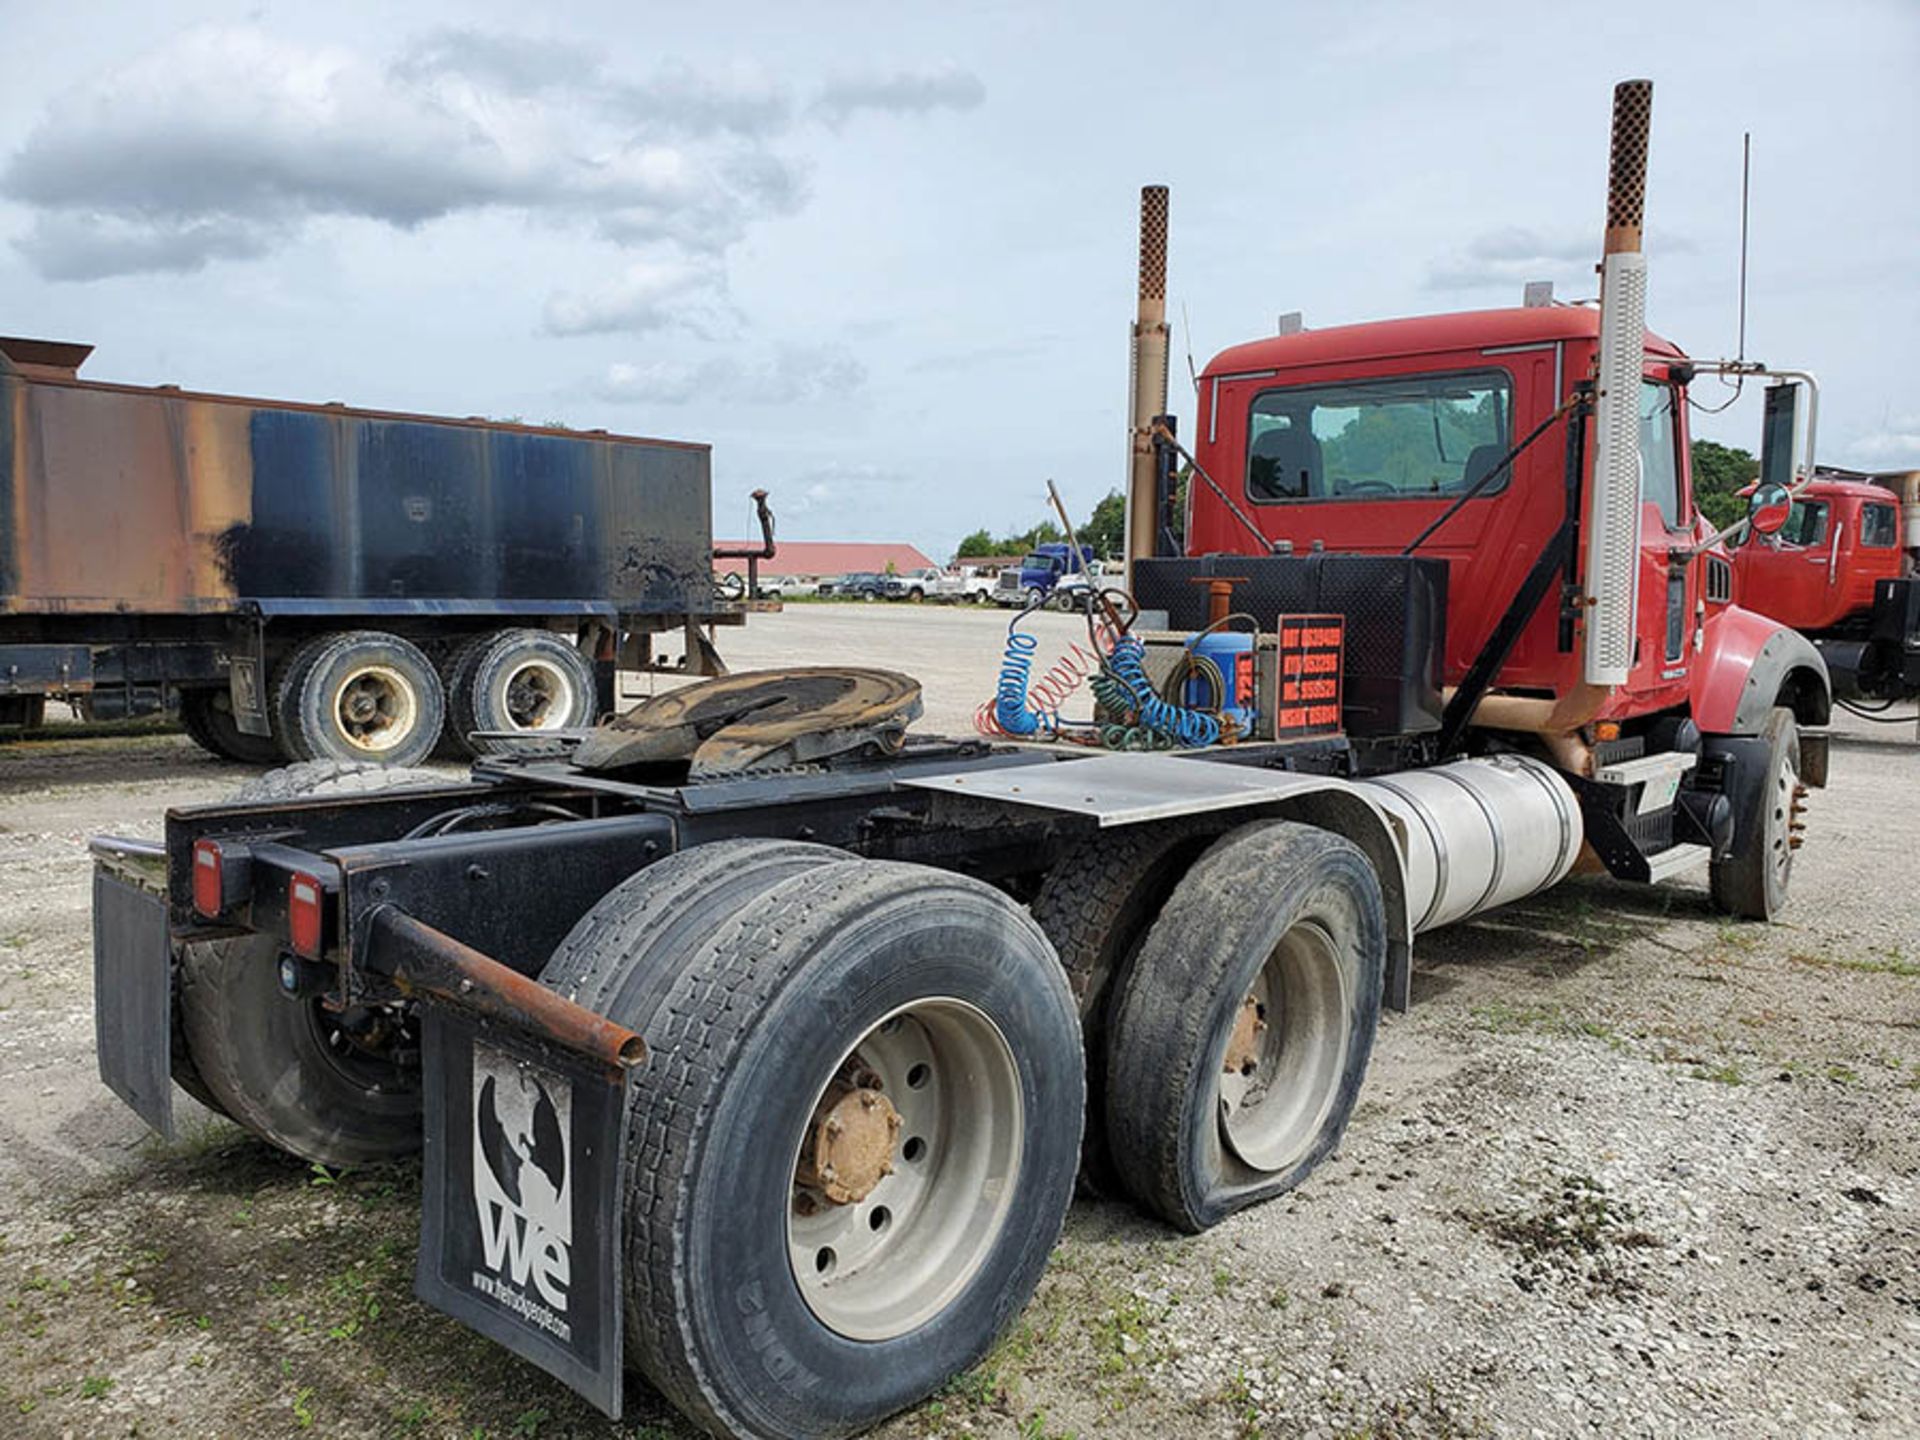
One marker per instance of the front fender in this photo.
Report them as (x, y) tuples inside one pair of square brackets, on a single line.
[(1748, 665)]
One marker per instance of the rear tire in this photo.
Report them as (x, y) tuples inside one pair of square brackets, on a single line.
[(1280, 978), (1752, 882), (359, 695), (750, 1026), (207, 717), (284, 1069), (1097, 905), (523, 680)]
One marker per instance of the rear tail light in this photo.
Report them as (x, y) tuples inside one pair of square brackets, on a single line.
[(208, 892), (306, 914)]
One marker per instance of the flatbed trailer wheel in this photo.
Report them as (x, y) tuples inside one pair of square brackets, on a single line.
[(853, 1142), (358, 695), (1753, 880), (1241, 1035), (337, 1089), (1096, 906), (528, 681), (207, 717)]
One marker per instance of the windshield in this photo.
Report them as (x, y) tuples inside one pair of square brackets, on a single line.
[(1040, 562), (1409, 437)]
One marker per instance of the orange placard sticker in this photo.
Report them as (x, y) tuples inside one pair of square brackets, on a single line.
[(1312, 652)]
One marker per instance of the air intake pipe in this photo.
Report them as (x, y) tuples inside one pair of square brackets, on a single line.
[(1612, 560), (1151, 340)]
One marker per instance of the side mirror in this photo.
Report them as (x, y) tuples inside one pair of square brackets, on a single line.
[(1768, 509)]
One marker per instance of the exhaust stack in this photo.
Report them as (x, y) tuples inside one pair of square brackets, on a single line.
[(1151, 339), (1612, 559)]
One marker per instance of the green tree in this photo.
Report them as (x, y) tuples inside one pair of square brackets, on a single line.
[(1720, 472), (980, 542), (1106, 532)]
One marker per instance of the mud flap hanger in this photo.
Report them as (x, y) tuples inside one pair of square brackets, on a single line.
[(524, 1101)]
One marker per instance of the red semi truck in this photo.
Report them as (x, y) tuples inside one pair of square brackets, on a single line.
[(756, 1045), (1845, 571)]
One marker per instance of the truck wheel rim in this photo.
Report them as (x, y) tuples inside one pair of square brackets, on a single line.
[(1780, 814), (886, 1261), (539, 696), (1287, 1051), (374, 708)]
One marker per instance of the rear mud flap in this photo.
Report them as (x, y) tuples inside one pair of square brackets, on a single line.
[(133, 997), (520, 1216)]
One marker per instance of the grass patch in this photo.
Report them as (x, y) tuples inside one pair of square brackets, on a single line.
[(1886, 962)]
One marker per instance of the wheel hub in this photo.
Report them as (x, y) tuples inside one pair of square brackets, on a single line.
[(850, 1144), (1245, 1044)]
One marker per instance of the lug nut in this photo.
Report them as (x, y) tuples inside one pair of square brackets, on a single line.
[(868, 1099)]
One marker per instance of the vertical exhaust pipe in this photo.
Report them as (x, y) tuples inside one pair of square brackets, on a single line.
[(1151, 341), (1612, 559)]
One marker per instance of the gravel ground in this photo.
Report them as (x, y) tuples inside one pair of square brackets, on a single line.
[(1625, 1169)]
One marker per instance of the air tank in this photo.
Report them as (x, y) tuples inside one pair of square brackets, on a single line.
[(1480, 833)]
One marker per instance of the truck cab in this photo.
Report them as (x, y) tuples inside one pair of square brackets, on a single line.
[(1845, 569), (1034, 580), (1819, 572)]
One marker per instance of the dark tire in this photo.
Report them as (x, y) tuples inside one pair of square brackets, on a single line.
[(284, 1069), (1276, 910), (1096, 906), (359, 695), (747, 1027), (27, 711), (1753, 880), (523, 680), (207, 717)]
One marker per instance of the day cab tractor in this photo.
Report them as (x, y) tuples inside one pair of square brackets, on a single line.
[(1844, 570), (757, 1044)]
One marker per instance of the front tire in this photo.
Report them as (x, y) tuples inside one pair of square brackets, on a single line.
[(207, 717), (1753, 880), (841, 990), (1241, 1036)]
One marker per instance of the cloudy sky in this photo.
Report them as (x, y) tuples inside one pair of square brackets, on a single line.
[(883, 259)]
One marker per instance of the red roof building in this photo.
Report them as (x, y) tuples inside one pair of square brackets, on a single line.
[(817, 559)]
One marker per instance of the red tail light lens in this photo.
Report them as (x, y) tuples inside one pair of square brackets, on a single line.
[(207, 897), (306, 914)]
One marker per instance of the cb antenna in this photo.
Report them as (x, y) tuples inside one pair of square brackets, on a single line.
[(1746, 180)]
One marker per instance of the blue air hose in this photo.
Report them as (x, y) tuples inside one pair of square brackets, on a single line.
[(1010, 710), (1190, 729)]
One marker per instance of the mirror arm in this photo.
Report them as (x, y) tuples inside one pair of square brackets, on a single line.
[(1755, 368)]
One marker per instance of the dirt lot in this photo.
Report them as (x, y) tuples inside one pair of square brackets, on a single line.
[(1626, 1168)]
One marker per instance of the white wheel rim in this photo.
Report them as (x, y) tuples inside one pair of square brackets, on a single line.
[(1279, 1083), (537, 695), (890, 1261), (375, 708), (1780, 817)]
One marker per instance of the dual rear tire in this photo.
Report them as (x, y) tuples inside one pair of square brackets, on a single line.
[(858, 1122)]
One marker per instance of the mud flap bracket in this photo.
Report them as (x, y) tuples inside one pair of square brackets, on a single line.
[(520, 1217)]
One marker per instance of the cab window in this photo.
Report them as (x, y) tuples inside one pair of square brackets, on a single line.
[(1806, 525), (1659, 451), (1410, 437), (1879, 527)]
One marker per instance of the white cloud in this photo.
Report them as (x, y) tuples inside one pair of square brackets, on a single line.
[(1896, 444), (225, 141), (1507, 258), (902, 92), (651, 294), (791, 375)]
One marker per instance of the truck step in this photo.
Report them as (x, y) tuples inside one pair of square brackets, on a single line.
[(1660, 774), (1676, 860)]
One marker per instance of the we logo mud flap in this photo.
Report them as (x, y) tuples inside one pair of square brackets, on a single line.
[(520, 1216)]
